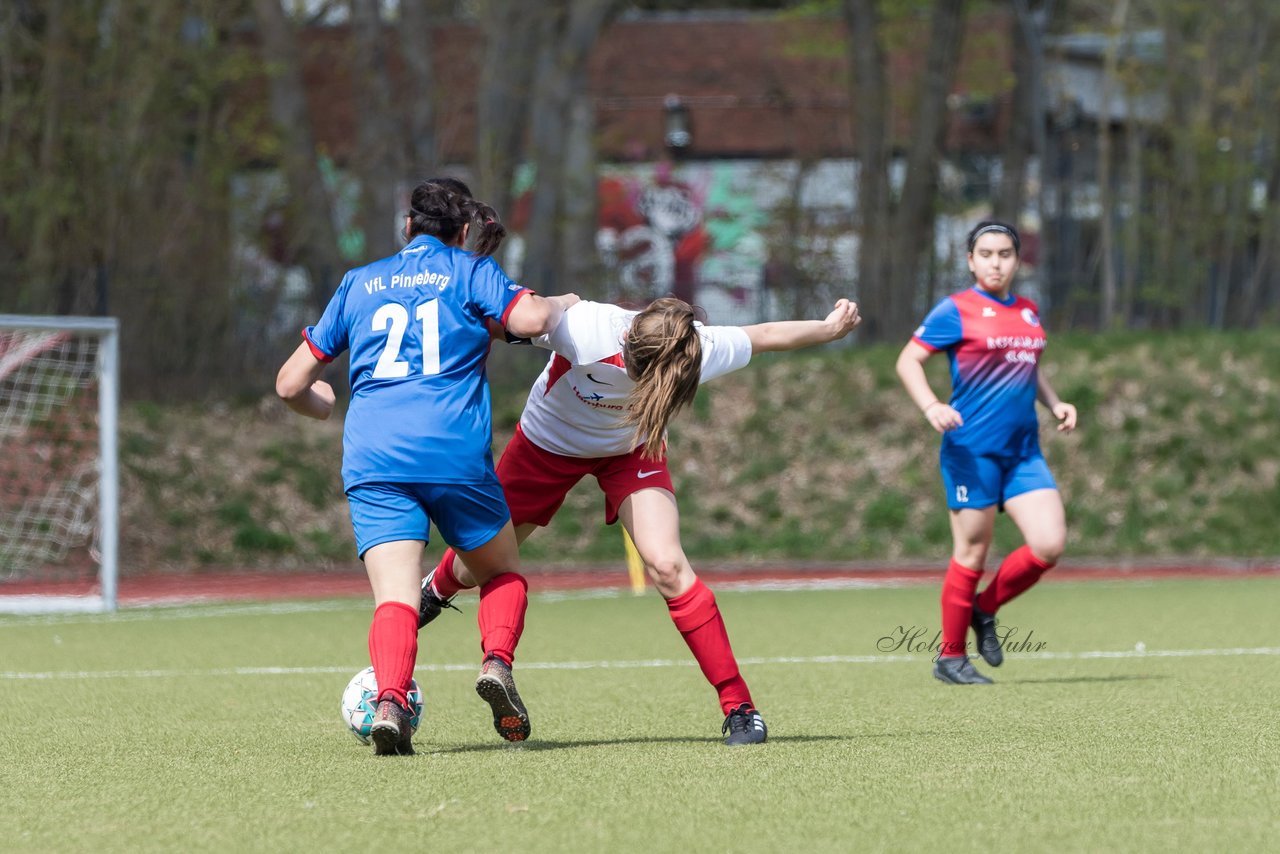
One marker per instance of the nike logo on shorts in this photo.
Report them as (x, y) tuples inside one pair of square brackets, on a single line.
[(643, 474)]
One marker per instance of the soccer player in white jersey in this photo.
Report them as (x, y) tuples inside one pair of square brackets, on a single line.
[(417, 437), (601, 407)]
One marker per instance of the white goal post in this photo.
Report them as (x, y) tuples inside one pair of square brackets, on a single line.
[(59, 501)]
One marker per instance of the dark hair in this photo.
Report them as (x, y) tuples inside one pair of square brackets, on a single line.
[(486, 232), (992, 226), (455, 185), (437, 211)]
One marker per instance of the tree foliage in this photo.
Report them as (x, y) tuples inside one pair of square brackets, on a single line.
[(117, 144), (125, 127)]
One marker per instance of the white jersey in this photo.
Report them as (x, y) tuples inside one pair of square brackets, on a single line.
[(576, 407)]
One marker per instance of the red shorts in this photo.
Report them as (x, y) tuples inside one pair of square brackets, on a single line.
[(536, 482)]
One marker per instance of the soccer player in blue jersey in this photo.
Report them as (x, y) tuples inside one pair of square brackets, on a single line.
[(990, 454), (417, 438)]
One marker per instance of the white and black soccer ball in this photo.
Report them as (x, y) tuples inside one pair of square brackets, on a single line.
[(360, 701)]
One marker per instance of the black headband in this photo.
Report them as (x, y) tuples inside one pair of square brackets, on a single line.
[(997, 229)]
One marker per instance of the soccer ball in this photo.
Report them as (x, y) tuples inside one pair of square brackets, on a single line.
[(360, 701)]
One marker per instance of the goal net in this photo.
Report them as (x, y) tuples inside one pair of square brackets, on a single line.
[(59, 388)]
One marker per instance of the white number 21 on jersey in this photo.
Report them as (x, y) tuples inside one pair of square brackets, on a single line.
[(389, 365)]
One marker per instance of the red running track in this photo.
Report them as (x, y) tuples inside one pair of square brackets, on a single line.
[(230, 585)]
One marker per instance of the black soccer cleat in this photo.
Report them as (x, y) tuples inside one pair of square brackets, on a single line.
[(984, 626), (497, 687), (958, 670), (430, 605), (392, 731), (744, 725)]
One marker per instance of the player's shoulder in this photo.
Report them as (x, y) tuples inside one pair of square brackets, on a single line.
[(721, 334), (602, 317), (1020, 302), (365, 271), (591, 308), (949, 306), (596, 329), (964, 298)]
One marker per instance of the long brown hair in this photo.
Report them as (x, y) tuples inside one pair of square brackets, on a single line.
[(663, 354)]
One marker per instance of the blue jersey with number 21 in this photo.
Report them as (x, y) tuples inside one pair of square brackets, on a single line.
[(416, 327)]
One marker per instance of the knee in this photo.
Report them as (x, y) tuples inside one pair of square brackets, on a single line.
[(1048, 549), (666, 571), (972, 556)]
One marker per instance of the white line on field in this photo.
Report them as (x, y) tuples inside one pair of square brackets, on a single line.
[(200, 607), (185, 611), (620, 665)]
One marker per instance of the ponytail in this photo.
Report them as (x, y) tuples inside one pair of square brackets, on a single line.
[(487, 232), (663, 354)]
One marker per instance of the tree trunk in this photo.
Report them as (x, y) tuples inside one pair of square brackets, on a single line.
[(8, 75), (42, 257), (1266, 272), (1106, 199), (379, 161), (502, 104), (418, 23), (571, 28), (916, 213), (1134, 136), (582, 271), (1018, 139), (869, 92), (312, 234), (1032, 24)]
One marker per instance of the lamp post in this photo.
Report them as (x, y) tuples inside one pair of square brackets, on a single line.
[(675, 119)]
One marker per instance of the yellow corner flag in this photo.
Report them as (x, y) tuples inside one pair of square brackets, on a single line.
[(635, 566)]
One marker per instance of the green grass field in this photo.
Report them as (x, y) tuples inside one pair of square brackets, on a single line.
[(217, 729)]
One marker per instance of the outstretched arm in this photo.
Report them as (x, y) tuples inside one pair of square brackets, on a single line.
[(299, 385), (794, 334), (534, 315)]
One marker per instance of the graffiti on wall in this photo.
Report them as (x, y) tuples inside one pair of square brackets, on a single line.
[(696, 231), (708, 232)]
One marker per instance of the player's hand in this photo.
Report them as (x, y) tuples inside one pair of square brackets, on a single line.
[(565, 300), (1066, 415), (843, 318), (942, 417)]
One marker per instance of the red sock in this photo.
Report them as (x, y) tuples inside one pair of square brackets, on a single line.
[(444, 582), (958, 588), (1020, 570), (393, 649), (503, 600), (697, 616)]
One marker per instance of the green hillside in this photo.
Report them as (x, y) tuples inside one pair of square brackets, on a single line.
[(815, 456)]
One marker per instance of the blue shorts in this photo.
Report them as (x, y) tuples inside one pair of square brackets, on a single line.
[(974, 481), (467, 515)]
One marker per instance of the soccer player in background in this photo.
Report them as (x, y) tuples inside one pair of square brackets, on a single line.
[(990, 455), (601, 407), (417, 441)]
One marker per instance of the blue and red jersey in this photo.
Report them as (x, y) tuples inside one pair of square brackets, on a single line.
[(416, 324), (994, 347)]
